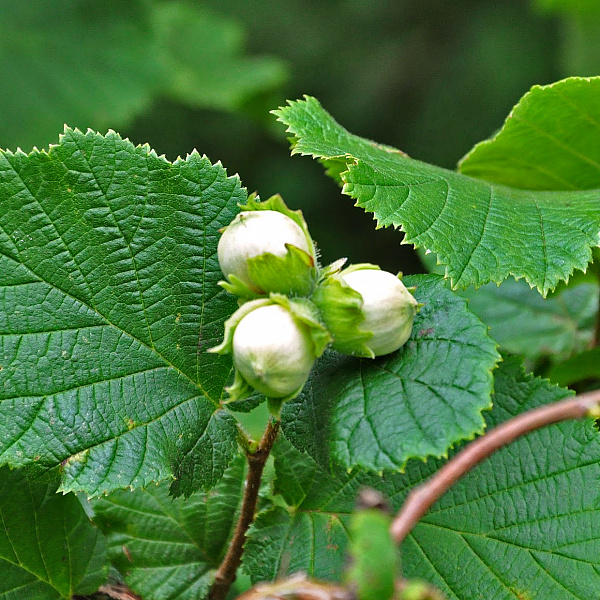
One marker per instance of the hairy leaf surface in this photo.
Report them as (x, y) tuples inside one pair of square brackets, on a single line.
[(49, 549), (415, 402), (108, 301), (481, 231), (169, 549), (523, 524)]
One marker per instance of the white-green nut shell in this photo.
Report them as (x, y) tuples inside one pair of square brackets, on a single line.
[(272, 352), (253, 233), (389, 308)]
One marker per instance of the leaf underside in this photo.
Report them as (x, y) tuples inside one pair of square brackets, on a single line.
[(108, 300), (481, 231), (524, 323), (523, 524)]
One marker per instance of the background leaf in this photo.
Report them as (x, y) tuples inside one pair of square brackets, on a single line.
[(524, 323), (204, 57), (481, 231), (98, 67), (170, 548), (523, 524), (108, 300), (48, 547), (580, 367), (415, 402)]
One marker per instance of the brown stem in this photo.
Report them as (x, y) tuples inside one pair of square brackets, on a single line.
[(421, 498), (225, 575), (297, 586)]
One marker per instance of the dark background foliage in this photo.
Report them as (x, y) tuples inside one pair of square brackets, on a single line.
[(430, 77)]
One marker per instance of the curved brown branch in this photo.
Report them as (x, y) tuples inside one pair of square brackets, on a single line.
[(225, 575), (421, 498)]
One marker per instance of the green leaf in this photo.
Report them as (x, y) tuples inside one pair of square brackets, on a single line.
[(48, 547), (294, 472), (99, 66), (583, 7), (415, 402), (523, 322), (310, 538), (522, 524), (108, 300), (170, 548), (548, 142), (204, 55), (481, 231)]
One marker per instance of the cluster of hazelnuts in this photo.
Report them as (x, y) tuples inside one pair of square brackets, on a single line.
[(291, 309)]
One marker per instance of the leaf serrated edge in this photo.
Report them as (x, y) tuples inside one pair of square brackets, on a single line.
[(351, 161)]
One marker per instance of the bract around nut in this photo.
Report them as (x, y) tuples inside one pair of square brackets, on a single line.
[(267, 249), (274, 342), (368, 311)]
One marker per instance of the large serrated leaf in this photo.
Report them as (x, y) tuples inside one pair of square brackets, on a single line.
[(415, 402), (169, 549), (523, 524), (480, 231), (108, 300), (48, 547)]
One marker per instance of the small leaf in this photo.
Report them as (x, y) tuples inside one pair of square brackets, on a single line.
[(48, 547), (374, 556), (415, 402), (169, 549), (108, 301), (481, 231)]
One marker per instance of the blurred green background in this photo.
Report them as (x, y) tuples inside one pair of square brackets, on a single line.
[(430, 77)]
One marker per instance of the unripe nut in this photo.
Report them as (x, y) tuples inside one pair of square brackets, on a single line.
[(253, 233), (272, 351), (388, 307)]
